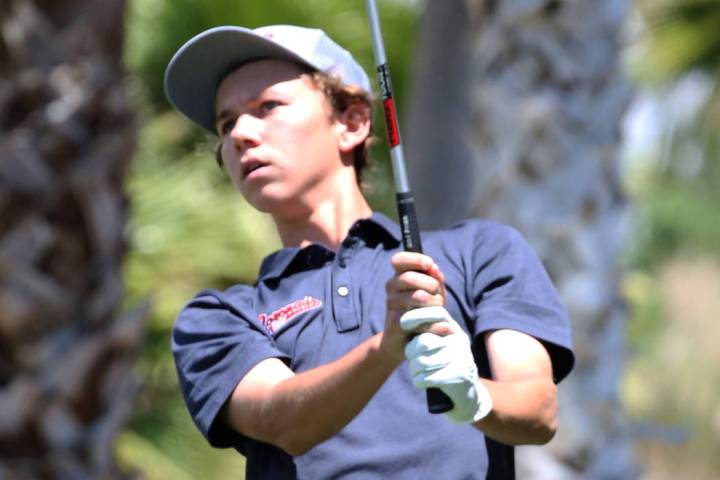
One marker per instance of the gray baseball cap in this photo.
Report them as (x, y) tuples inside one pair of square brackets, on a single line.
[(196, 69)]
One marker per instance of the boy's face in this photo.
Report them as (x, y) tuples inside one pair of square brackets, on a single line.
[(280, 139)]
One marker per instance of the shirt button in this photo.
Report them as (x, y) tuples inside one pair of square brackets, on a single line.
[(343, 291)]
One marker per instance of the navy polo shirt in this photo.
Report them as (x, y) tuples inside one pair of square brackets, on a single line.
[(312, 305)]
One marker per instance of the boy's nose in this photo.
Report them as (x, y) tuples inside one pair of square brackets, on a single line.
[(246, 131)]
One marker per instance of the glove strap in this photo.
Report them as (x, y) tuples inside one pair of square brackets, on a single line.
[(485, 403)]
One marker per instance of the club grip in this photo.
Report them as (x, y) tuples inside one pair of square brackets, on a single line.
[(437, 401), (408, 222)]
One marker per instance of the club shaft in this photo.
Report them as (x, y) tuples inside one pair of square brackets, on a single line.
[(437, 401), (393, 128)]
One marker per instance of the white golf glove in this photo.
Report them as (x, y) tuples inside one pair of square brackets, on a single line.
[(446, 362)]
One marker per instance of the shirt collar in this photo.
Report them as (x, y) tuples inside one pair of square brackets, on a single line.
[(375, 229), (275, 264), (388, 227)]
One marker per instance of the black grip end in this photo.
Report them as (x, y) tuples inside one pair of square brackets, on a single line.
[(437, 401)]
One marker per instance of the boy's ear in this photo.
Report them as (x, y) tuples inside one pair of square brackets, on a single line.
[(354, 124)]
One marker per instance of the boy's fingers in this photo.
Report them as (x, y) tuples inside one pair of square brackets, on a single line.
[(404, 301), (412, 280), (405, 261)]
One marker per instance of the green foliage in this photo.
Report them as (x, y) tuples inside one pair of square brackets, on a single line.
[(678, 193), (165, 445), (682, 36), (188, 223), (673, 379), (647, 311), (676, 215), (189, 229)]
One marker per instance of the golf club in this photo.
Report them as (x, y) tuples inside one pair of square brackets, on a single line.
[(437, 401)]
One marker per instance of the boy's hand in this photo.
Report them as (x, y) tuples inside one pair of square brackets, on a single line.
[(417, 282), (446, 362)]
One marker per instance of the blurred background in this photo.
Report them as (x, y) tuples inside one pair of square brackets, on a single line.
[(590, 126)]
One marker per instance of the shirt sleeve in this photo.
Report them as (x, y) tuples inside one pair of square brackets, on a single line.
[(215, 344), (511, 289)]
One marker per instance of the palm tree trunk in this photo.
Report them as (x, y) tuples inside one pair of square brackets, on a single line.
[(66, 348), (515, 115)]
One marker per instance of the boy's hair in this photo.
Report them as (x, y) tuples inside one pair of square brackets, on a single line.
[(341, 97)]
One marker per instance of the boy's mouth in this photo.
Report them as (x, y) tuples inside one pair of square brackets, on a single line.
[(250, 166)]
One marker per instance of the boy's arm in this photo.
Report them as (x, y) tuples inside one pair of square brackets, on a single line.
[(524, 396), (298, 411)]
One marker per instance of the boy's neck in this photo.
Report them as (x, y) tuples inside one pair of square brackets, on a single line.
[(328, 224)]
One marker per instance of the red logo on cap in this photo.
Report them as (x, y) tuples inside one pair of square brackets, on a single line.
[(269, 35)]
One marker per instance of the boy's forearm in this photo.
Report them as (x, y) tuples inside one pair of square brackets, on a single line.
[(524, 411), (310, 407)]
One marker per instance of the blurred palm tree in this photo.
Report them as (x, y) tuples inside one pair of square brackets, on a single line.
[(67, 348), (515, 116)]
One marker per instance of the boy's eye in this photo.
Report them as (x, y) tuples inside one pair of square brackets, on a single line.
[(226, 126), (269, 105)]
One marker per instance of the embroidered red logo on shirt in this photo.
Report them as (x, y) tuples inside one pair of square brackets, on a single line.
[(275, 320)]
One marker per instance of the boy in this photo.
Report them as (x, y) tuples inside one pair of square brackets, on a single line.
[(304, 372)]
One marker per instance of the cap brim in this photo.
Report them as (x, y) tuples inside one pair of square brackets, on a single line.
[(194, 72)]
